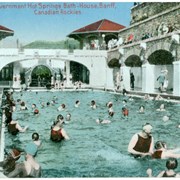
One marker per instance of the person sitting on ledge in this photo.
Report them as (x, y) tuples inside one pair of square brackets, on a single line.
[(14, 127), (9, 162), (29, 168)]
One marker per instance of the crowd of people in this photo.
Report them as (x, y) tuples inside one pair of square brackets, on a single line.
[(141, 145)]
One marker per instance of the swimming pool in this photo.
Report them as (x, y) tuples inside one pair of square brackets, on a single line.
[(94, 150)]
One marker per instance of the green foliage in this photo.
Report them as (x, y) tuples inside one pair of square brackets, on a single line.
[(64, 44), (41, 71)]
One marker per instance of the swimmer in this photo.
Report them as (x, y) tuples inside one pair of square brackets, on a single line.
[(93, 104), (141, 109), (23, 106), (142, 143), (14, 127), (33, 106), (48, 104), (36, 112), (130, 98), (68, 117), (53, 102), (158, 97), (110, 109), (109, 104), (36, 140), (161, 108), (42, 105), (111, 113), (125, 111), (166, 118), (171, 164), (9, 162), (161, 151), (57, 132), (98, 121), (147, 97), (29, 168), (124, 102), (77, 103), (61, 107)]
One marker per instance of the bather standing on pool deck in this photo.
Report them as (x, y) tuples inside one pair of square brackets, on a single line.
[(161, 80), (142, 143)]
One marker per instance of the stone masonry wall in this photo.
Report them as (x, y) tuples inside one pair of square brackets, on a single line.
[(148, 9), (150, 25)]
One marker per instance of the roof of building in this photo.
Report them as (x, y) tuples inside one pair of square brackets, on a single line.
[(4, 32), (5, 29), (103, 25)]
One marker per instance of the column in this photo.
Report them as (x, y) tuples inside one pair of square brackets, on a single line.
[(67, 73), (16, 75), (125, 73), (176, 78), (148, 78)]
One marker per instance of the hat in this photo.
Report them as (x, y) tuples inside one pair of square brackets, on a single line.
[(15, 153), (31, 149), (147, 128)]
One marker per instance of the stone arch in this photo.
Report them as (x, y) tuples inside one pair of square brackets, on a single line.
[(40, 80), (157, 46), (161, 57), (133, 61), (132, 52), (41, 65), (109, 36), (79, 72)]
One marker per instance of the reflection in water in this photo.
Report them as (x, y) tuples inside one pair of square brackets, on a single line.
[(94, 150)]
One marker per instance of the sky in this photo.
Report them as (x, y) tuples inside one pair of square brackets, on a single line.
[(29, 25)]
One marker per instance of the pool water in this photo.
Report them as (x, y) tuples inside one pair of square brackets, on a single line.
[(94, 150)]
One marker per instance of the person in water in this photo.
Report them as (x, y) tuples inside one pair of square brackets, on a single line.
[(125, 111), (142, 143), (57, 132), (77, 103), (93, 104), (23, 106), (9, 162), (36, 140), (14, 127), (104, 121), (161, 108), (161, 151), (68, 117), (141, 109), (61, 107), (171, 164), (29, 168)]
